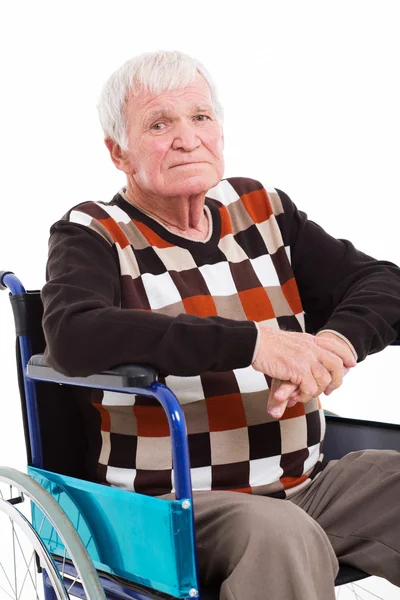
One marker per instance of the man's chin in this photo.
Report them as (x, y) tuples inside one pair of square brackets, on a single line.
[(194, 185)]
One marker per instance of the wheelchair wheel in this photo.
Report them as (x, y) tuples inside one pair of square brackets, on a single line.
[(373, 588), (23, 554)]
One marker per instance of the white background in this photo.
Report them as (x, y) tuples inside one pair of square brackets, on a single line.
[(311, 97)]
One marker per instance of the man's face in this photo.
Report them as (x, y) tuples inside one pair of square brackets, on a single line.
[(175, 142)]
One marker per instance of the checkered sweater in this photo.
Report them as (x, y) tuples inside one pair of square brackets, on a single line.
[(121, 288), (241, 272)]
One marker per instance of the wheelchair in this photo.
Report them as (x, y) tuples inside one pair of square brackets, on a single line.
[(93, 541)]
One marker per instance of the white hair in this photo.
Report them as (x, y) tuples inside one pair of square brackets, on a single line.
[(154, 72)]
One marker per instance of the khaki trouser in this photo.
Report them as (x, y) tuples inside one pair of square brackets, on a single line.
[(263, 548)]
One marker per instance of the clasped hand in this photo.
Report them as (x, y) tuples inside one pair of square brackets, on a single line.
[(302, 365)]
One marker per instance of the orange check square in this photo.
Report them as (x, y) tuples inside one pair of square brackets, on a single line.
[(289, 482), (202, 306), (151, 236), (258, 205), (226, 412), (116, 232), (292, 296), (246, 490), (105, 417), (256, 304), (226, 225), (297, 410), (151, 421)]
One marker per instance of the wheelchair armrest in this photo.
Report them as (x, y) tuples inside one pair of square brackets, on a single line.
[(117, 378)]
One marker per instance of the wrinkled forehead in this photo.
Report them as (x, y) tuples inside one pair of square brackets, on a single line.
[(196, 95)]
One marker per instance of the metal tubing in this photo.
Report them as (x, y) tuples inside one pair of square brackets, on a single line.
[(49, 593), (15, 286), (167, 399), (180, 449), (13, 283)]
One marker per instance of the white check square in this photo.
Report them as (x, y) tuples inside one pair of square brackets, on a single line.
[(260, 467), (313, 457), (219, 279), (250, 380), (223, 192), (116, 213), (122, 478), (76, 216), (265, 271), (117, 399), (201, 478), (161, 290)]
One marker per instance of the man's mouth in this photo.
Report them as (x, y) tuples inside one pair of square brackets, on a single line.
[(195, 162)]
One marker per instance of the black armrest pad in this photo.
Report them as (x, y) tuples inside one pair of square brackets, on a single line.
[(120, 377)]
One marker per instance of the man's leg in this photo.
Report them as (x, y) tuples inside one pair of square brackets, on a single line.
[(356, 500), (262, 548)]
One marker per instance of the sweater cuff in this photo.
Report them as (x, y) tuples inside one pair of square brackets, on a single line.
[(342, 337), (237, 346), (258, 340)]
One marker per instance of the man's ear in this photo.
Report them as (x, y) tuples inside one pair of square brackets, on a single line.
[(119, 157)]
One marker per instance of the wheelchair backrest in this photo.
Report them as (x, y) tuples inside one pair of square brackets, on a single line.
[(64, 411)]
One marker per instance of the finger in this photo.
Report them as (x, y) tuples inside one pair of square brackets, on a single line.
[(322, 376), (337, 348), (291, 402), (330, 388), (285, 390), (334, 365), (308, 389), (277, 406)]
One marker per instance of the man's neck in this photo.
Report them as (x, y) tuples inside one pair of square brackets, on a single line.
[(183, 215)]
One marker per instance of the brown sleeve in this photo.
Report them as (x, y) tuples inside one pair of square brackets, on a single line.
[(342, 288), (87, 332)]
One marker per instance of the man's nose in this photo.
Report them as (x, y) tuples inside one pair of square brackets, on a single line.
[(185, 137)]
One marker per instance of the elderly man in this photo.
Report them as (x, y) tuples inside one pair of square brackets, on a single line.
[(209, 280)]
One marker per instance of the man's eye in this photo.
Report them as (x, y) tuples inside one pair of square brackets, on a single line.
[(157, 126), (202, 117)]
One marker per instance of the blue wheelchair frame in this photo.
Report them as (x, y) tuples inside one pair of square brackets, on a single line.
[(144, 547), (114, 524)]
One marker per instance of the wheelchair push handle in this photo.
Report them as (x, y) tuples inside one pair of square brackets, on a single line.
[(9, 281), (3, 286)]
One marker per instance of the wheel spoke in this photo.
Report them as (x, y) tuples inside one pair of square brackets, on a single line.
[(52, 524), (74, 581), (41, 525), (28, 570), (368, 592), (26, 575), (355, 593), (6, 576), (8, 594), (15, 562), (63, 564), (34, 573)]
